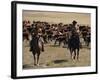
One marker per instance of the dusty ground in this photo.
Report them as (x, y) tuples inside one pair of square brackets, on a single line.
[(55, 56)]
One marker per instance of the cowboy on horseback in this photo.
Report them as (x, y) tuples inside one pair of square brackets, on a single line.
[(74, 41)]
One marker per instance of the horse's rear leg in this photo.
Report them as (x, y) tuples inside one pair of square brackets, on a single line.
[(43, 47)]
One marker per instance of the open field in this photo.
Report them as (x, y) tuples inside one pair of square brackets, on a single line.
[(55, 56)]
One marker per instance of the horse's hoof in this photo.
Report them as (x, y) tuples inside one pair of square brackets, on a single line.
[(74, 58), (37, 64), (34, 64), (42, 50)]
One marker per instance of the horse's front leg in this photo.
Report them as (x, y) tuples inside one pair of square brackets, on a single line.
[(71, 53), (38, 55), (59, 42), (74, 54), (55, 42), (34, 59), (77, 54)]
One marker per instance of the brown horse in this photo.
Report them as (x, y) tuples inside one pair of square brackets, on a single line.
[(36, 45)]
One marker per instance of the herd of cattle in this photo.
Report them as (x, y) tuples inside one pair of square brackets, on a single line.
[(40, 33)]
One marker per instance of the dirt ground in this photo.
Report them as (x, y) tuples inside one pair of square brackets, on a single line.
[(55, 56)]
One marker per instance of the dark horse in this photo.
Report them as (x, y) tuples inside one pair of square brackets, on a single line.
[(36, 45), (74, 45)]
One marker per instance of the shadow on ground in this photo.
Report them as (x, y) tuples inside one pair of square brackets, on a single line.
[(59, 61), (27, 66), (54, 45), (56, 62)]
